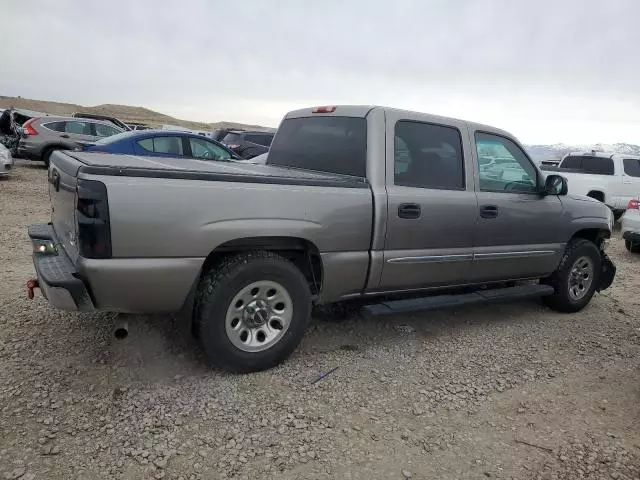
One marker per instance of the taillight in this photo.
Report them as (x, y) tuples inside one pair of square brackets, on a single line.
[(634, 204), (324, 109), (92, 218), (28, 129)]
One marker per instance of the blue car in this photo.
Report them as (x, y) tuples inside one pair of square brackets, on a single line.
[(162, 143)]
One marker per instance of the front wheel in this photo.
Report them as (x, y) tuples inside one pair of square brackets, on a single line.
[(576, 278), (252, 311)]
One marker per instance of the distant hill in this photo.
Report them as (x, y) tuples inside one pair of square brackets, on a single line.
[(126, 113), (557, 151)]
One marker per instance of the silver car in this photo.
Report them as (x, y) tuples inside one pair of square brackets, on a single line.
[(631, 226), (41, 136), (6, 161)]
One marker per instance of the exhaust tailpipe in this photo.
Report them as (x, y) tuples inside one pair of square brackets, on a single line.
[(122, 330)]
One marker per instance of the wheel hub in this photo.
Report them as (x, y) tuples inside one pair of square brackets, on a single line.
[(259, 316), (580, 278), (256, 313)]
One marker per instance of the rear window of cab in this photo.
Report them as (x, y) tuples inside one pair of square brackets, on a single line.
[(325, 144)]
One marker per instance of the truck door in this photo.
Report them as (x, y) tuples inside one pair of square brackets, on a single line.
[(519, 232), (432, 206)]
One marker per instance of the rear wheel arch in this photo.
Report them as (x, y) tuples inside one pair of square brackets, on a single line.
[(46, 152), (597, 195), (303, 253)]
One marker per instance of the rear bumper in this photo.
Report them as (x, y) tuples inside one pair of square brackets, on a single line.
[(57, 276)]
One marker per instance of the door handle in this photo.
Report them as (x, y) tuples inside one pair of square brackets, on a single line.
[(64, 136), (489, 211), (409, 210)]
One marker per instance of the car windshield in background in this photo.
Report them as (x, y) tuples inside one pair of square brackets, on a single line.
[(325, 144)]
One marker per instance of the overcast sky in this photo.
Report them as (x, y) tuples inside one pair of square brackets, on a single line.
[(548, 71)]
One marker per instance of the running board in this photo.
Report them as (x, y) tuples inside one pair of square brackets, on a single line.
[(436, 302)]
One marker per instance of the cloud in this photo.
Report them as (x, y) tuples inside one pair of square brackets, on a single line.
[(548, 71)]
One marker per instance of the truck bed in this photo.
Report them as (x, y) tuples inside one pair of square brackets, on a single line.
[(168, 214)]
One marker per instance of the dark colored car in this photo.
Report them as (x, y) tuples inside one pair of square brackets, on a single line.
[(162, 143), (95, 116), (248, 144)]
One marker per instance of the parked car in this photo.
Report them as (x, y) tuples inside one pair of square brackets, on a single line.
[(248, 144), (631, 226), (245, 250), (138, 126), (258, 159), (107, 118), (162, 143), (6, 161), (41, 136), (611, 179)]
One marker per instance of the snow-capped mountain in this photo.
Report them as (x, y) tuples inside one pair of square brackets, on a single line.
[(555, 152)]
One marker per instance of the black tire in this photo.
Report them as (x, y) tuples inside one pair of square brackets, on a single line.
[(617, 214), (561, 300), (216, 291), (633, 248), (46, 156)]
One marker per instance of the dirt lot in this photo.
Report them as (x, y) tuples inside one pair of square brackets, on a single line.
[(510, 391)]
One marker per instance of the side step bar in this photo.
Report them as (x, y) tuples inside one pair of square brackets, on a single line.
[(436, 302)]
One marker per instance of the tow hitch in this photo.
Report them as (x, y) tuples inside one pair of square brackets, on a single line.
[(31, 286)]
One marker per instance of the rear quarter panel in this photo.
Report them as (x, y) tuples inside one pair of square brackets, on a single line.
[(186, 220)]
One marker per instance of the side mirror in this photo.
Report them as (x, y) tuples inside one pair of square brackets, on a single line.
[(555, 185)]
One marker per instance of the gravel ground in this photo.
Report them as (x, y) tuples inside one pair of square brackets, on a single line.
[(509, 391)]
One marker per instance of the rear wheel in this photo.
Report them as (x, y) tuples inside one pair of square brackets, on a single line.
[(252, 311), (46, 156), (632, 247), (576, 278)]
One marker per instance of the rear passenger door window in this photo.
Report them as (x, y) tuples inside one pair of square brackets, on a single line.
[(503, 166), (205, 150), (163, 145), (428, 156)]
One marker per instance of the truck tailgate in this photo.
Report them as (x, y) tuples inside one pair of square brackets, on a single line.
[(62, 178)]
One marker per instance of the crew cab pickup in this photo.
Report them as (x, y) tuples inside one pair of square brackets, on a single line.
[(386, 207), (613, 179)]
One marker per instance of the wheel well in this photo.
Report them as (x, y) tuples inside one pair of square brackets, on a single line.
[(597, 195), (595, 235), (302, 253), (51, 148)]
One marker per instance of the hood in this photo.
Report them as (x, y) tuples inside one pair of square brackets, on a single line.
[(583, 198)]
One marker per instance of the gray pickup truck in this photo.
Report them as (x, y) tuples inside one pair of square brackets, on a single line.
[(394, 209)]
